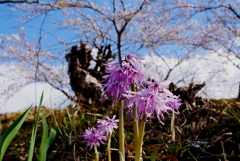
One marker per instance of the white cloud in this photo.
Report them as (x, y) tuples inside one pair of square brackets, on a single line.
[(30, 95), (17, 93), (221, 77)]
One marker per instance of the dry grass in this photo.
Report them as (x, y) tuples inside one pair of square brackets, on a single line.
[(202, 133)]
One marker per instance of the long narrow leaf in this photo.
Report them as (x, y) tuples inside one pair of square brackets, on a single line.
[(34, 132), (41, 154), (51, 137), (46, 142), (10, 133)]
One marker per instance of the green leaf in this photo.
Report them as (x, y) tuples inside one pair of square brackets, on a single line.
[(11, 132), (46, 141), (34, 132)]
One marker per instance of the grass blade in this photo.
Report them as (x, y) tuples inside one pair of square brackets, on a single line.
[(10, 133), (51, 137), (34, 131), (46, 141)]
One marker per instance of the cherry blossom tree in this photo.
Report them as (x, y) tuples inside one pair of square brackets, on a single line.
[(165, 28)]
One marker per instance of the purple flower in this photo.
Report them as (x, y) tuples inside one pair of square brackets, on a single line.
[(108, 125), (153, 100), (93, 136), (121, 75)]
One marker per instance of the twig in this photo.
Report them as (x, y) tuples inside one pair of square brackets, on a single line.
[(224, 154), (192, 155)]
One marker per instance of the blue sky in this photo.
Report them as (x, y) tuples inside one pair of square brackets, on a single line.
[(9, 18), (32, 29)]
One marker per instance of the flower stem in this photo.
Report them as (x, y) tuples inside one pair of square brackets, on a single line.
[(173, 133), (96, 153), (121, 132), (135, 128), (173, 126), (109, 147), (138, 150), (135, 121)]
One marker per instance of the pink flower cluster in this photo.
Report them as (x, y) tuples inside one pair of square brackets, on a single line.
[(121, 75), (96, 136), (151, 98), (108, 125), (93, 136)]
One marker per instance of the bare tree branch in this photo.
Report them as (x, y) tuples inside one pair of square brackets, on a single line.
[(230, 7), (30, 2)]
